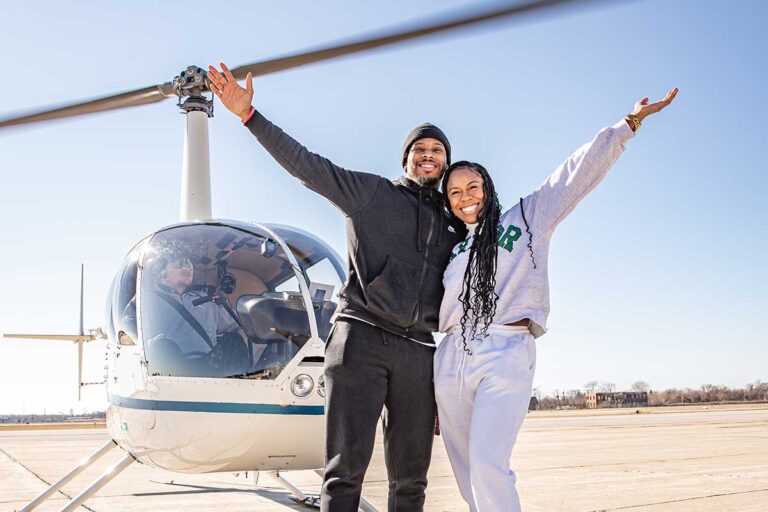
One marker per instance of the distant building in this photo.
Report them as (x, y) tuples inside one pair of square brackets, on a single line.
[(617, 399)]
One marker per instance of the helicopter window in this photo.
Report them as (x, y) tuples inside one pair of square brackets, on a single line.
[(324, 286), (110, 299), (219, 302), (124, 301), (323, 272), (322, 269)]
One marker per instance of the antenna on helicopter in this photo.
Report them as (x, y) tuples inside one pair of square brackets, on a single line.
[(78, 338)]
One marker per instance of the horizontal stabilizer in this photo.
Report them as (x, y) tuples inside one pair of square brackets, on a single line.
[(74, 338)]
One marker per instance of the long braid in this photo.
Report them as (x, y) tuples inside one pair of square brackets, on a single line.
[(478, 293)]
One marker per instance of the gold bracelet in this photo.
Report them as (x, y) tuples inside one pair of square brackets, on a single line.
[(633, 121)]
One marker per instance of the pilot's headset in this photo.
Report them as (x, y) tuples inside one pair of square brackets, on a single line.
[(159, 264)]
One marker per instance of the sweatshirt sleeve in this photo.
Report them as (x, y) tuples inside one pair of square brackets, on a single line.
[(350, 191), (577, 176)]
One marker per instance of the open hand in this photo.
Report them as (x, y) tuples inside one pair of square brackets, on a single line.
[(643, 108), (236, 98)]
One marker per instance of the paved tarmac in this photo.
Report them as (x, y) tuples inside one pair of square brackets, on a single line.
[(658, 460)]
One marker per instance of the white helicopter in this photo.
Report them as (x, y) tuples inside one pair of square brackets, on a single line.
[(197, 379)]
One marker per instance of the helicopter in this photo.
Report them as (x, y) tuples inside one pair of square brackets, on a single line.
[(196, 383)]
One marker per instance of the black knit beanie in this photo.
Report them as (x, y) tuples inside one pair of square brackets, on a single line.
[(426, 131)]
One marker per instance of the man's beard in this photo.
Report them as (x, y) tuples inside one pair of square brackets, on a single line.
[(427, 181)]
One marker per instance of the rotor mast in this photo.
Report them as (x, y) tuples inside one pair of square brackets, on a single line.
[(190, 87)]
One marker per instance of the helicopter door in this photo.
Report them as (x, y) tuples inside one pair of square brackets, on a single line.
[(126, 356), (322, 271), (218, 301)]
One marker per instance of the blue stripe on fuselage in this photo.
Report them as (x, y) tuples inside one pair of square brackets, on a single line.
[(215, 407)]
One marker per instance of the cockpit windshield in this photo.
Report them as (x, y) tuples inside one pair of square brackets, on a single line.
[(224, 300)]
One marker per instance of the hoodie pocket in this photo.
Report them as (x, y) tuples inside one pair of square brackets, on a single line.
[(393, 293), (431, 297)]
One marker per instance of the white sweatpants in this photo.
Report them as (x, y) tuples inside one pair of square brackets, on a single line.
[(482, 400)]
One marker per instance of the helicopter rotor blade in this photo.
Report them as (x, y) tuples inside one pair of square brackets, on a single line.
[(156, 93), (145, 96), (370, 42)]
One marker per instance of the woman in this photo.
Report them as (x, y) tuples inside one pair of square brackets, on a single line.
[(497, 301)]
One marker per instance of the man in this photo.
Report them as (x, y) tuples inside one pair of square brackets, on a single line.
[(189, 333), (380, 350)]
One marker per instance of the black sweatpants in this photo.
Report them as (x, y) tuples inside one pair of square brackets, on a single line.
[(367, 368)]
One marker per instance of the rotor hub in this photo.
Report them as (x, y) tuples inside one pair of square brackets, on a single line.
[(190, 86)]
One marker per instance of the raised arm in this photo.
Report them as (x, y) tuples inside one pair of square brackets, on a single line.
[(586, 167), (348, 190)]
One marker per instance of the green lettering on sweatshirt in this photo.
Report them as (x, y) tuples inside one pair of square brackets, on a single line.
[(506, 238)]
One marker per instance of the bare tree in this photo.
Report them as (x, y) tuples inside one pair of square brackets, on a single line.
[(640, 385), (590, 386), (606, 387)]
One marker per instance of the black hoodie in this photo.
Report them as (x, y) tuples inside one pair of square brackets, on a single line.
[(398, 235)]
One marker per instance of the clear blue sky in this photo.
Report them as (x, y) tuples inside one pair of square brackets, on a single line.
[(657, 275)]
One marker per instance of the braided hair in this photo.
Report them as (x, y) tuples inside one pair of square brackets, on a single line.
[(478, 292)]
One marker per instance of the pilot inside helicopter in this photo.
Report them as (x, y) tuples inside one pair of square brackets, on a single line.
[(191, 333)]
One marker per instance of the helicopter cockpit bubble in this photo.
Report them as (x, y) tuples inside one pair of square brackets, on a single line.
[(121, 318), (224, 300)]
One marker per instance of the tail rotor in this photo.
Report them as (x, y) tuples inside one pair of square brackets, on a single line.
[(80, 338)]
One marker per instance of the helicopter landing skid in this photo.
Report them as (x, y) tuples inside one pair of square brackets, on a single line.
[(309, 501), (313, 501), (298, 495), (89, 491)]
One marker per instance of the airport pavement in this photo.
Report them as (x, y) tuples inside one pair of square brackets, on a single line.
[(658, 460)]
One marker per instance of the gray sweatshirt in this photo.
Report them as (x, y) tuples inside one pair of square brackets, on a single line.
[(522, 289)]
